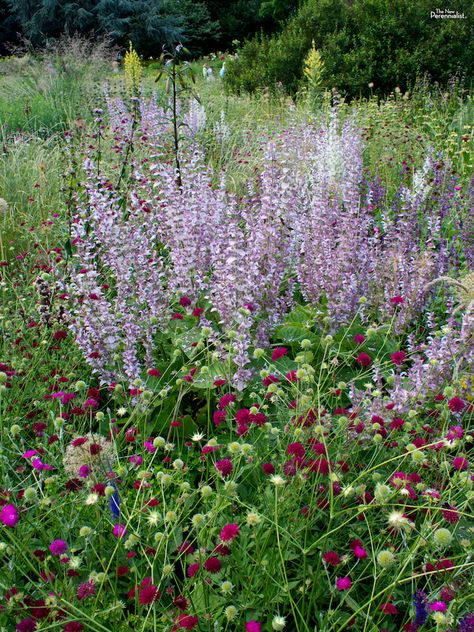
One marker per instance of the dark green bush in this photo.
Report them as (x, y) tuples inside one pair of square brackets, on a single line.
[(385, 42)]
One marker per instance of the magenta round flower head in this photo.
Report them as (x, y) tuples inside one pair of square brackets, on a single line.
[(229, 532), (193, 569), (9, 515), (186, 622), (86, 589), (253, 626), (213, 564), (398, 357), (360, 553), (397, 300), (84, 471), (438, 606), (224, 467), (343, 583), (364, 359), (226, 400), (58, 547), (456, 405), (460, 463), (26, 625), (278, 353), (268, 468), (39, 465), (119, 530)]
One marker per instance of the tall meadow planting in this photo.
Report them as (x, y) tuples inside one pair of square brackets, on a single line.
[(232, 407)]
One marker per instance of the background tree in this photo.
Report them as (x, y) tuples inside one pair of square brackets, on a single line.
[(279, 10), (47, 19), (240, 20), (9, 28), (201, 33), (149, 24), (385, 42)]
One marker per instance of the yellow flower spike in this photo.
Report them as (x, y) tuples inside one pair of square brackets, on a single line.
[(133, 71)]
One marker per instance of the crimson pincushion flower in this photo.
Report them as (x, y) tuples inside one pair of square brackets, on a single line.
[(193, 569), (86, 589), (460, 463), (185, 548), (186, 622), (180, 602), (364, 359), (26, 625), (296, 449), (73, 626), (279, 352), (456, 405), (450, 515), (224, 467), (148, 594), (268, 468), (218, 417), (9, 515), (226, 400), (398, 357), (213, 564), (119, 530), (58, 547), (154, 372), (332, 558), (229, 532), (343, 583), (358, 550), (92, 450)]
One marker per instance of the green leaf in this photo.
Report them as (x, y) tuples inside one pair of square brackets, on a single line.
[(295, 333), (217, 370), (299, 315), (68, 247)]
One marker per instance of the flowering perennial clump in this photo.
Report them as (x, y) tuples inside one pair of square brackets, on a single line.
[(255, 411)]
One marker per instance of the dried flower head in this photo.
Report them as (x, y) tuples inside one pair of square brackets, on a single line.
[(93, 451)]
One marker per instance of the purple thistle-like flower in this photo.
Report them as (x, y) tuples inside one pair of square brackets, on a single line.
[(420, 601), (467, 623), (86, 589), (115, 503)]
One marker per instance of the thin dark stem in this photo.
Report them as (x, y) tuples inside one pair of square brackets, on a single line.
[(179, 180)]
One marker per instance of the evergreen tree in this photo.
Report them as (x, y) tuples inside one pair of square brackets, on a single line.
[(9, 28), (201, 34), (239, 21), (41, 21), (149, 24)]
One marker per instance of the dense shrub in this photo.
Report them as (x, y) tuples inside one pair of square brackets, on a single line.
[(387, 43)]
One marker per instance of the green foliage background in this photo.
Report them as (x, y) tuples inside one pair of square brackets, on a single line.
[(202, 25), (385, 42)]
